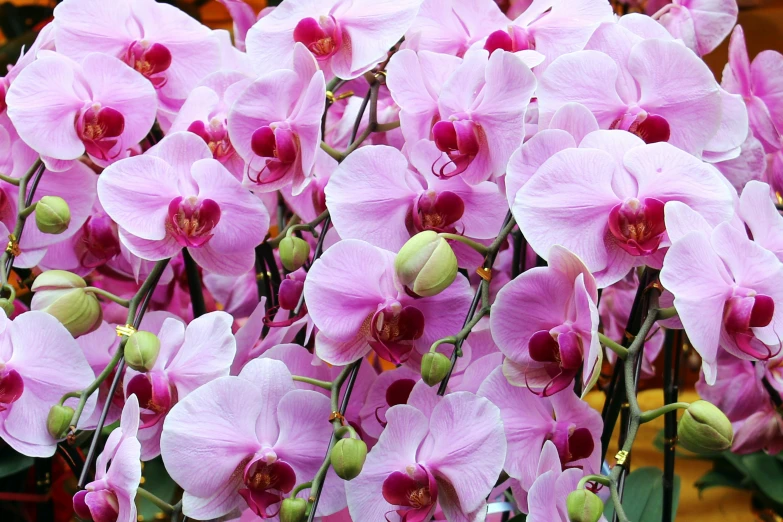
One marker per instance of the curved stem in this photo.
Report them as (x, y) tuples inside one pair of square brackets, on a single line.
[(24, 200), (478, 247), (25, 212), (334, 153), (108, 295), (600, 479), (654, 414), (667, 313), (9, 179), (160, 503), (618, 505), (617, 348), (326, 385)]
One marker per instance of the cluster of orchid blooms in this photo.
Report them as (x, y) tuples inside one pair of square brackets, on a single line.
[(468, 205)]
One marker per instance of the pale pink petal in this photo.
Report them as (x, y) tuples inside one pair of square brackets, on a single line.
[(526, 160), (762, 218), (304, 431)]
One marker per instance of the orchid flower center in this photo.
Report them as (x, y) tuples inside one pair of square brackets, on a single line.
[(150, 61), (215, 135), (561, 350), (638, 226), (437, 211), (11, 387), (460, 139), (99, 129), (156, 396), (322, 37), (744, 311), (649, 127), (99, 242), (102, 505), (414, 491), (191, 221), (514, 39), (393, 330), (572, 443), (279, 146), (266, 480)]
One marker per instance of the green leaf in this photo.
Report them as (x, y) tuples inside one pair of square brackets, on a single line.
[(644, 496), (716, 478), (12, 462), (767, 473)]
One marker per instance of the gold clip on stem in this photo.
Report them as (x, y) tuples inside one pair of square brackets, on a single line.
[(620, 458), (484, 273), (338, 416), (13, 246), (126, 330)]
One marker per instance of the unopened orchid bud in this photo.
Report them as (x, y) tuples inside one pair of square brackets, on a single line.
[(704, 428), (293, 510), (7, 305), (59, 420), (294, 252), (426, 264), (63, 295), (584, 506), (347, 458), (434, 367), (141, 351), (52, 215)]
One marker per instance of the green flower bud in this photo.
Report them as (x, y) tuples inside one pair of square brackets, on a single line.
[(7, 305), (434, 367), (62, 294), (52, 215), (59, 421), (704, 428), (584, 506), (426, 264), (347, 458), (141, 351), (293, 510), (294, 252)]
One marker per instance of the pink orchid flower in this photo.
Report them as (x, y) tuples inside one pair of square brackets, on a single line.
[(110, 497), (39, 363), (76, 186), (426, 458), (165, 45), (256, 433), (354, 298), (626, 85), (196, 203), (391, 388), (205, 114), (243, 16), (63, 109), (566, 130), (452, 26), (701, 24), (189, 357), (548, 494), (552, 28), (275, 124), (477, 118), (622, 186), (375, 196), (347, 37), (732, 300), (311, 202), (546, 324), (532, 423)]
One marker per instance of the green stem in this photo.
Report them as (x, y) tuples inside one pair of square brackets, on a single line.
[(667, 313), (617, 348), (25, 212), (445, 340), (478, 247), (9, 179), (160, 503), (386, 127), (326, 385), (654, 414), (108, 295), (336, 154), (600, 479), (300, 487), (20, 220)]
